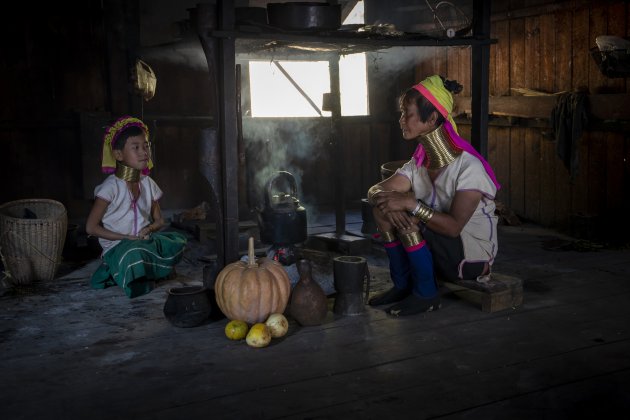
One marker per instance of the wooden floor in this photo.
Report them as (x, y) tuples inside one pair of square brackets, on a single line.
[(69, 352)]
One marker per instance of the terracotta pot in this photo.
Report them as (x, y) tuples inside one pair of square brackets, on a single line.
[(309, 304)]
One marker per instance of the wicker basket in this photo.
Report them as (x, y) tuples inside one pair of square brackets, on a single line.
[(31, 247)]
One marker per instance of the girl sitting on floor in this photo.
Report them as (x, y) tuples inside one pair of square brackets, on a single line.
[(126, 215)]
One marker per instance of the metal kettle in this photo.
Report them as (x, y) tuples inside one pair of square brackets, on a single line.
[(283, 220)]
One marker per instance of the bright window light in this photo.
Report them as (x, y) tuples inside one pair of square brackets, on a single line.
[(273, 95), (353, 85), (356, 16)]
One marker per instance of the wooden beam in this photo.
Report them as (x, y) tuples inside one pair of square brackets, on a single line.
[(602, 107), (552, 7)]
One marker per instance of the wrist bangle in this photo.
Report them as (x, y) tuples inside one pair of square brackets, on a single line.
[(423, 212), (415, 211), (375, 189)]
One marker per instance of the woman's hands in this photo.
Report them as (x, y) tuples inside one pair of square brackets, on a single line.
[(395, 207), (392, 204)]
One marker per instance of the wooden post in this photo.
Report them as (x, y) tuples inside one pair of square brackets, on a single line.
[(480, 77), (337, 149), (229, 143)]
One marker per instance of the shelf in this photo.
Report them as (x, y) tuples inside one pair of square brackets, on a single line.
[(343, 42), (256, 40)]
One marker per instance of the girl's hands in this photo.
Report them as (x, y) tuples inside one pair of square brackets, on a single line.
[(145, 233)]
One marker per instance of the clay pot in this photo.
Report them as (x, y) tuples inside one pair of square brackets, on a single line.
[(187, 306), (309, 304)]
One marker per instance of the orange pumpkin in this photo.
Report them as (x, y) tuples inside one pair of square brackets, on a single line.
[(252, 291)]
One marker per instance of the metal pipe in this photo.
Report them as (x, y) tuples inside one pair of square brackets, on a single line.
[(243, 204), (335, 121), (299, 89), (210, 168)]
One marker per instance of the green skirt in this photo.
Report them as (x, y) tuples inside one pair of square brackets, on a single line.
[(134, 265)]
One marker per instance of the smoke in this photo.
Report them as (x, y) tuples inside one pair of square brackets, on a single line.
[(385, 65), (186, 52), (298, 146)]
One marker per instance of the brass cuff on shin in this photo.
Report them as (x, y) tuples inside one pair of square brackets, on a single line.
[(374, 189), (410, 239), (388, 236)]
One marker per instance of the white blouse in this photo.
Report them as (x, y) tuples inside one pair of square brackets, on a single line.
[(123, 214), (465, 173)]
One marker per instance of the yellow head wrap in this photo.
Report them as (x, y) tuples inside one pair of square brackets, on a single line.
[(108, 164), (433, 89)]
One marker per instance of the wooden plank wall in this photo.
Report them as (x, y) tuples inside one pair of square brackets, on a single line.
[(549, 52)]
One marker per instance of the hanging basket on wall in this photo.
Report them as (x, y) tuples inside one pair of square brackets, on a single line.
[(144, 80), (613, 63)]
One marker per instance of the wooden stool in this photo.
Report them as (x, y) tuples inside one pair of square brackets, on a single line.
[(499, 293)]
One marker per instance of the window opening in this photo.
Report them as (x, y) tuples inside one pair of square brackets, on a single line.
[(291, 88)]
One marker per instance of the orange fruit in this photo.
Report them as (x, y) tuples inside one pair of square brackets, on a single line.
[(236, 330), (258, 335)]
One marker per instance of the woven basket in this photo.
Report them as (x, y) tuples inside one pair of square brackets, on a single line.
[(31, 248)]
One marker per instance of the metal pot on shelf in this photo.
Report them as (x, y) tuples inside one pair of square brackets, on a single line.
[(304, 16)]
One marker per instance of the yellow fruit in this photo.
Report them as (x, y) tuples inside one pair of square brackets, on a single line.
[(258, 335), (277, 324), (236, 330)]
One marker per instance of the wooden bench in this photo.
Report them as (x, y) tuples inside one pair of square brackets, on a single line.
[(500, 292)]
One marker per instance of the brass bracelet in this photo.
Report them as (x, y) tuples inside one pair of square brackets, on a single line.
[(423, 212), (374, 189), (410, 239), (388, 236)]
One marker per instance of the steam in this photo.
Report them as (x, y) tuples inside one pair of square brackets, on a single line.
[(187, 52), (285, 145), (386, 63)]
